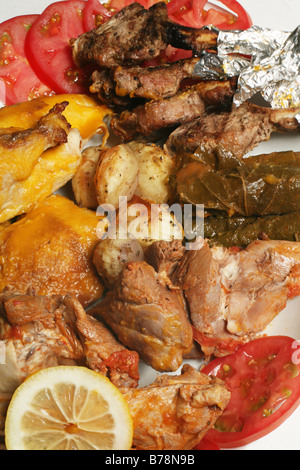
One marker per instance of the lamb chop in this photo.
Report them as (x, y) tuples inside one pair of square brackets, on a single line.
[(154, 116), (131, 36), (148, 314), (237, 131), (141, 82), (175, 412), (134, 35)]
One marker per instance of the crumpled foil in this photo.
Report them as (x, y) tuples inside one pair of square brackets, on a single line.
[(273, 68), (266, 61)]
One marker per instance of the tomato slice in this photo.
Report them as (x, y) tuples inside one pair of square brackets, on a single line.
[(264, 379), (48, 49), (192, 13), (19, 82), (95, 14), (206, 444)]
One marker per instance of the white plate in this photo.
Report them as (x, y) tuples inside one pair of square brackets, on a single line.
[(275, 14)]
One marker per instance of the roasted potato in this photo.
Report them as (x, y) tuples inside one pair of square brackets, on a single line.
[(145, 224), (116, 175), (155, 169), (133, 168), (83, 182), (110, 256)]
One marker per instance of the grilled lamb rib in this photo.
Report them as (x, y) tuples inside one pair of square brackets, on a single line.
[(130, 37), (134, 35), (237, 131), (148, 119)]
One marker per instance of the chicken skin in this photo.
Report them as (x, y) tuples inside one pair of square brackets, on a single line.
[(48, 331), (175, 412), (29, 169), (50, 250)]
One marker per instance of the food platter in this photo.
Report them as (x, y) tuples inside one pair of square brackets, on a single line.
[(283, 15)]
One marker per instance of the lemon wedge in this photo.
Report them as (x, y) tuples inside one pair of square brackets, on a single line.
[(68, 408)]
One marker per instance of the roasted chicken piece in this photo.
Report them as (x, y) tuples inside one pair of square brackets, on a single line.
[(45, 331), (149, 315), (83, 113), (27, 172), (50, 250), (236, 132), (151, 118), (176, 411), (234, 294)]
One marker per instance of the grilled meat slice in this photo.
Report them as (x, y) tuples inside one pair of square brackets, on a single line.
[(130, 37), (148, 314), (234, 295), (237, 131), (151, 118), (104, 86), (176, 411), (153, 83)]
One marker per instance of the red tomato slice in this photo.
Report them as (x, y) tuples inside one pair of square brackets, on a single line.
[(48, 49), (19, 82), (206, 444), (95, 14), (264, 379), (192, 13)]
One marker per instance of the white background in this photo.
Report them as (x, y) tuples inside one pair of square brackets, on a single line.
[(275, 14)]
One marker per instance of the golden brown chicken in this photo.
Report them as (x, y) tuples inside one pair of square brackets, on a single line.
[(175, 412), (50, 250), (45, 331), (40, 147), (28, 173)]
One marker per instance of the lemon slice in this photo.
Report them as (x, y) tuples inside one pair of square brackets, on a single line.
[(68, 408)]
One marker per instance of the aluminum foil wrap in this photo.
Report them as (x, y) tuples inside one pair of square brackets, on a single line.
[(273, 67)]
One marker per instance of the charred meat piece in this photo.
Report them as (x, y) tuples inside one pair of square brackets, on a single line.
[(237, 131), (176, 411), (104, 86), (46, 331), (233, 295), (187, 38), (134, 35), (130, 37), (148, 314), (152, 83), (185, 106)]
